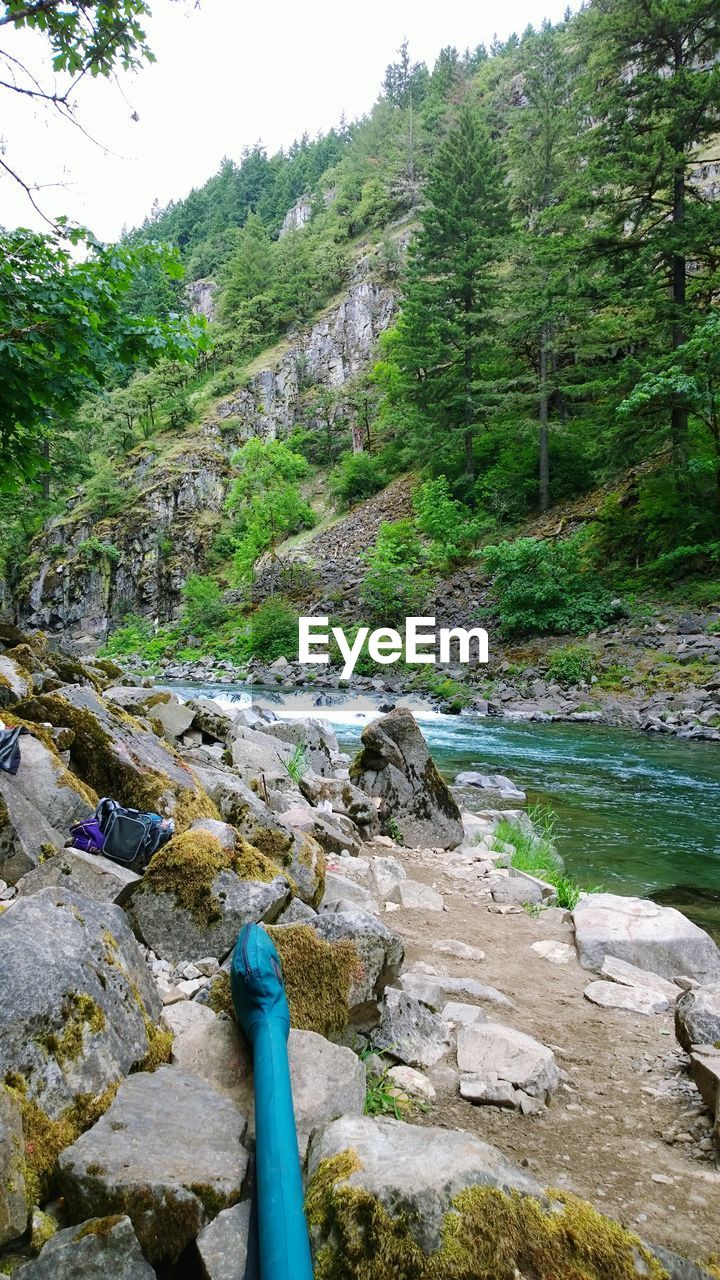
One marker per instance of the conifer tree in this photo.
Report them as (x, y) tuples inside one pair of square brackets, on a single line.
[(653, 93), (445, 338)]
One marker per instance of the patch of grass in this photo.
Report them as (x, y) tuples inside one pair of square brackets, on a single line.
[(298, 764), (571, 664), (537, 855)]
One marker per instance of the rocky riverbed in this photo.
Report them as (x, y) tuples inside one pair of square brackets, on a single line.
[(485, 1083)]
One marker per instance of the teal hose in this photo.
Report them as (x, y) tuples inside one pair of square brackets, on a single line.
[(262, 1009)]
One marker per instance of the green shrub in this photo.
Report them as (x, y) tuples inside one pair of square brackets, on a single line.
[(274, 630), (546, 587), (130, 638), (204, 609), (94, 549), (537, 855), (572, 664), (395, 584), (356, 477), (449, 524)]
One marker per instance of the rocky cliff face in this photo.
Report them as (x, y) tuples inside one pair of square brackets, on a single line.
[(180, 482)]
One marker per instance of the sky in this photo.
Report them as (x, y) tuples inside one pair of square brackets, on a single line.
[(228, 73)]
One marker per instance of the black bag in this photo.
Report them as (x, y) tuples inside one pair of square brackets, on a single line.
[(10, 750), (131, 837)]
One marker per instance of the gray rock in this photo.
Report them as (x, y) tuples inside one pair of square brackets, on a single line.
[(435, 989), (178, 932), (628, 975), (410, 1031), (14, 682), (334, 832), (255, 753), (416, 1171), (697, 1016), (613, 995), (344, 798), (297, 913), (644, 934), (223, 1244), (678, 1268), (461, 950), (381, 955), (317, 738), (414, 896), (327, 1079), (37, 808), (489, 1091), (99, 1249), (525, 890), (395, 766), (168, 1153), (338, 888), (491, 782), (174, 716), (705, 1068), (496, 1052), (76, 994), (459, 1014), (88, 874), (13, 1208), (413, 1083), (555, 952)]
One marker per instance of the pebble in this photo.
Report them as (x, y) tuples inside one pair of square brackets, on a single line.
[(663, 1178)]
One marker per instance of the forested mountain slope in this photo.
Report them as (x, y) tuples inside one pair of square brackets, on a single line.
[(502, 282)]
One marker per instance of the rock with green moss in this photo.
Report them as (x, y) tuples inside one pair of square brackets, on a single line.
[(88, 874), (295, 852), (197, 894), (37, 808), (77, 997), (344, 797), (13, 1206), (15, 681), (168, 1153), (99, 1249), (395, 767), (400, 1202), (380, 953), (120, 757)]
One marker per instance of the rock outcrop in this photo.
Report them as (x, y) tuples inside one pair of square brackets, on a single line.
[(395, 766), (644, 934)]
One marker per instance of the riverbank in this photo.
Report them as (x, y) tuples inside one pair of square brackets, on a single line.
[(426, 1017)]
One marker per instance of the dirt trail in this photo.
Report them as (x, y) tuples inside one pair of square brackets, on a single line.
[(627, 1085)]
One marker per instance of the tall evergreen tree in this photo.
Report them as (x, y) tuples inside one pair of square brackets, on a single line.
[(446, 331), (653, 92)]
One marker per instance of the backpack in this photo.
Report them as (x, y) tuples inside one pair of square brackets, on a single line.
[(124, 835), (10, 750)]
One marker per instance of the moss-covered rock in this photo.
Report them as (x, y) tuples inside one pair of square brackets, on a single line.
[(118, 756), (389, 1201), (197, 893), (318, 978)]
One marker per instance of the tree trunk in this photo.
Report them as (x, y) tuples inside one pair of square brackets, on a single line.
[(46, 471), (679, 413), (543, 434)]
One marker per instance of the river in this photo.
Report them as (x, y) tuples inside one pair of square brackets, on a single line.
[(636, 813)]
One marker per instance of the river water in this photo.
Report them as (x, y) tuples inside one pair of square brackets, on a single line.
[(636, 813)]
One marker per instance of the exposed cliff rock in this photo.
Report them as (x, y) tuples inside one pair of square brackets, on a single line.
[(296, 217), (201, 297)]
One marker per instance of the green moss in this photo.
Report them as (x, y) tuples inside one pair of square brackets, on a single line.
[(160, 1050), (101, 1227), (162, 1231), (44, 1138), (188, 866), (78, 1011), (109, 668), (275, 845), (213, 1201), (487, 1235), (318, 976), (220, 995), (44, 1228)]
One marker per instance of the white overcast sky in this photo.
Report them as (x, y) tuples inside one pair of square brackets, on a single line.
[(227, 74)]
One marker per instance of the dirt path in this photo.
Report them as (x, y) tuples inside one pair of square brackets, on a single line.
[(608, 1135)]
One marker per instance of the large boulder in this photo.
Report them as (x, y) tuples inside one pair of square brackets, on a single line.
[(197, 893), (644, 934), (120, 757), (410, 1031), (697, 1016), (430, 1201), (37, 808), (255, 753), (168, 1153), (328, 1080), (315, 738), (13, 1205), (344, 798), (77, 997), (395, 766), (15, 681), (94, 1250), (411, 1171), (295, 852), (494, 1054), (88, 874)]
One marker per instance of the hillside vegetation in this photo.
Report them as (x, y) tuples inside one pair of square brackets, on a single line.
[(532, 230)]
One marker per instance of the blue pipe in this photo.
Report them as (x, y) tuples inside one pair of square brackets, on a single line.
[(262, 1010)]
